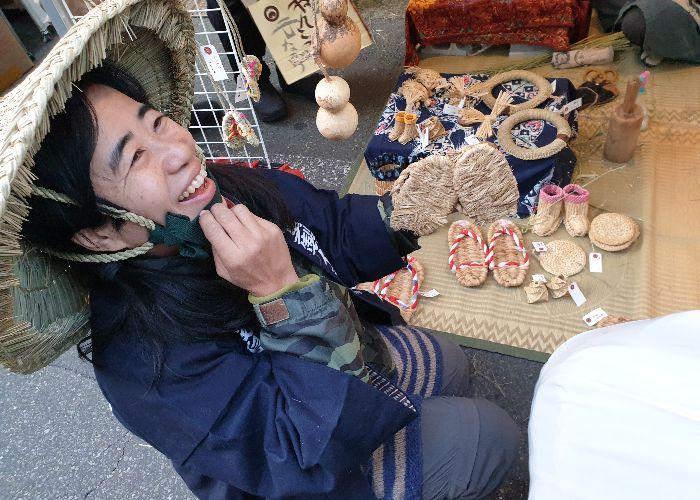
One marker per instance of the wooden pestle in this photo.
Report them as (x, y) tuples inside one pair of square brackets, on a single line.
[(624, 127)]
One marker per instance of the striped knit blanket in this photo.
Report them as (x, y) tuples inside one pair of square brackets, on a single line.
[(396, 466)]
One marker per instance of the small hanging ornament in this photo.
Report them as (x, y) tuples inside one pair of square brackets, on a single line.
[(237, 130), (251, 69)]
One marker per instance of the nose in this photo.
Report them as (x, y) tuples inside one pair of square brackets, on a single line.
[(173, 153)]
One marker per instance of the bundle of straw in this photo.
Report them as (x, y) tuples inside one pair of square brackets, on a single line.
[(485, 130), (615, 40)]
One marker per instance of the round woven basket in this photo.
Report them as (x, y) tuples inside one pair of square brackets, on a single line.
[(44, 308)]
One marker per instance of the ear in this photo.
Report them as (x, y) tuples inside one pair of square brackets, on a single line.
[(105, 238)]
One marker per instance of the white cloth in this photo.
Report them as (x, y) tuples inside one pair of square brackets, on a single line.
[(616, 414)]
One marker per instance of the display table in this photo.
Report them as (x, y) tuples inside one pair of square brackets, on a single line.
[(659, 188)]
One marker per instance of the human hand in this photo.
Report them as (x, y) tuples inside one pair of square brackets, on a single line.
[(249, 252)]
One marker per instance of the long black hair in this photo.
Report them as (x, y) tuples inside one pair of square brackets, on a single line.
[(163, 299)]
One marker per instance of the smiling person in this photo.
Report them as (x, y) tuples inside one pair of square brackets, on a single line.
[(224, 331)]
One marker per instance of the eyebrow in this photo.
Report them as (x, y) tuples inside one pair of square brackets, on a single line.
[(116, 156)]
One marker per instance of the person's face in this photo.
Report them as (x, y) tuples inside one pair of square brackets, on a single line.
[(143, 161)]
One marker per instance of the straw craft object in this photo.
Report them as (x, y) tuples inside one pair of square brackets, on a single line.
[(563, 258), (485, 130), (423, 195), (535, 292), (382, 187), (611, 320), (431, 79), (505, 135), (400, 288), (467, 253), (415, 94), (508, 258), (613, 232), (558, 286), (544, 89), (485, 185), (44, 308), (435, 128), (470, 116)]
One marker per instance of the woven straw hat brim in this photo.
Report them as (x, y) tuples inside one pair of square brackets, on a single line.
[(44, 309)]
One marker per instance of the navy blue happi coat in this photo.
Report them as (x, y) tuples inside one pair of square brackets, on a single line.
[(237, 424)]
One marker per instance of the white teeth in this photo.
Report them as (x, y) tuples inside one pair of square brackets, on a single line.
[(194, 185)]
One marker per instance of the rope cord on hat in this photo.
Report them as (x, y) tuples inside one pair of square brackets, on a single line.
[(116, 213)]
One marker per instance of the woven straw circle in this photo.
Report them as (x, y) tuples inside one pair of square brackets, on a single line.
[(563, 258), (505, 137), (544, 89), (44, 309), (613, 232)]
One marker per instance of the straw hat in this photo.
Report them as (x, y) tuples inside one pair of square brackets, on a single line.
[(43, 307)]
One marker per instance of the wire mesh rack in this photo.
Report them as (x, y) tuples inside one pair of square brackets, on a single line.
[(208, 111)]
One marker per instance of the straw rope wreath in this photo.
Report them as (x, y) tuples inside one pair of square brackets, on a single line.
[(544, 89), (505, 136), (44, 307)]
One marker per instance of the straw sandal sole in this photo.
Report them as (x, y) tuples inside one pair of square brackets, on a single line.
[(508, 261), (467, 253)]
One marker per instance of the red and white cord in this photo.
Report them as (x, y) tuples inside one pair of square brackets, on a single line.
[(466, 233), (381, 288), (507, 231)]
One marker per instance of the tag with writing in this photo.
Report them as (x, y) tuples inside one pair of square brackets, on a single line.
[(472, 141), (595, 261), (213, 62), (449, 109), (430, 293), (539, 277), (241, 90), (593, 317), (568, 108), (539, 246), (577, 294)]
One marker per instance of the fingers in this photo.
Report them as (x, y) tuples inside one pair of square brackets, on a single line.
[(228, 219), (249, 220), (215, 233)]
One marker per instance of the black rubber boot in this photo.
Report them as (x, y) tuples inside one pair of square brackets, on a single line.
[(271, 107), (306, 87)]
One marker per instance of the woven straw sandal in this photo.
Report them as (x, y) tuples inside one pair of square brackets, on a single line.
[(484, 183), (423, 195), (467, 258), (507, 257), (402, 287)]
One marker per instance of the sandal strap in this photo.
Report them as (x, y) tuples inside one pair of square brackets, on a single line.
[(507, 231), (466, 233), (381, 288)]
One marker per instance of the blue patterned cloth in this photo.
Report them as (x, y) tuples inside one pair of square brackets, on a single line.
[(530, 175)]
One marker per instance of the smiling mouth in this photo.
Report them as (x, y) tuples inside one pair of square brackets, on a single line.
[(196, 187)]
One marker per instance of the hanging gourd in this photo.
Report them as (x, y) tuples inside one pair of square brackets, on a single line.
[(337, 125), (339, 36), (332, 93)]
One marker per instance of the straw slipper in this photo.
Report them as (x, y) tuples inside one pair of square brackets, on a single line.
[(402, 287), (507, 255), (467, 258)]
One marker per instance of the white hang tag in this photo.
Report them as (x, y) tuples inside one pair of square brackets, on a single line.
[(213, 62), (539, 277), (472, 141), (554, 85), (241, 90), (593, 317), (577, 294), (449, 109), (461, 103), (595, 262), (430, 293), (539, 246), (568, 108), (424, 135)]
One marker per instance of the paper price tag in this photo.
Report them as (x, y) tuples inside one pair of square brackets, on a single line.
[(539, 277), (449, 109), (213, 62), (471, 140), (241, 91), (593, 317), (461, 103), (577, 294), (539, 246), (554, 85), (423, 136), (568, 108), (595, 262), (430, 293)]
